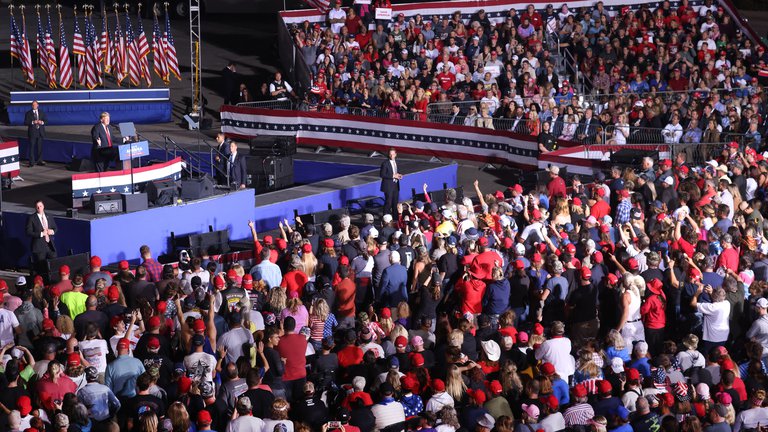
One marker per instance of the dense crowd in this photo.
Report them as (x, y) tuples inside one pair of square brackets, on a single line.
[(635, 302), (647, 74)]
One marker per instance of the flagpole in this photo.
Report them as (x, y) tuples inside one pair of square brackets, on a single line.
[(24, 32), (75, 68), (13, 72), (127, 48)]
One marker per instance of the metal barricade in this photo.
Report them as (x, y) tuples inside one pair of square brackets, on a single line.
[(286, 104)]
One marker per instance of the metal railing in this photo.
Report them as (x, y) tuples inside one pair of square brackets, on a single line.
[(286, 104), (597, 99)]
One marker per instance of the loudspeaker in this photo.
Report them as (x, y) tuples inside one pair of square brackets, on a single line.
[(161, 192), (135, 202), (196, 188), (81, 165), (107, 203), (210, 243), (632, 157), (269, 173), (280, 146), (77, 264), (438, 196)]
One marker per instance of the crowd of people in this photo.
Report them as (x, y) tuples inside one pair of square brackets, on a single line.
[(635, 302), (646, 74)]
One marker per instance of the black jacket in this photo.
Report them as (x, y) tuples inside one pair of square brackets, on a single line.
[(34, 131), (34, 228)]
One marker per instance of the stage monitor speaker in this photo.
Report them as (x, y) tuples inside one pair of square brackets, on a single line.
[(269, 173), (161, 192), (81, 165), (278, 146), (196, 188), (632, 157), (209, 243), (135, 202), (78, 264), (107, 203)]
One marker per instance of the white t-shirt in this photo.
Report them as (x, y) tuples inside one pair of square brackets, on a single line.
[(95, 352), (715, 320), (131, 337), (200, 365), (337, 14), (8, 322)]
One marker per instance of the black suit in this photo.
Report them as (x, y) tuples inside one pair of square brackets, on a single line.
[(238, 171), (223, 164), (36, 135), (102, 153), (41, 249), (230, 87), (390, 186)]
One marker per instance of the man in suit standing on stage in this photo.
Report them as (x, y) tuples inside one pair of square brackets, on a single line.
[(222, 158), (41, 229), (390, 183), (35, 121), (237, 169), (102, 150)]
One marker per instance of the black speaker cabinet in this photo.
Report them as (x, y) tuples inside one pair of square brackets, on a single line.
[(78, 264), (209, 243), (81, 165), (135, 202), (161, 192), (269, 173), (107, 203), (196, 188)]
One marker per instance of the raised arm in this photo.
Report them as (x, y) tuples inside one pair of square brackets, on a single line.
[(479, 193)]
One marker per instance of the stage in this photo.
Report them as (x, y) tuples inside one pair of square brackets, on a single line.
[(321, 180)]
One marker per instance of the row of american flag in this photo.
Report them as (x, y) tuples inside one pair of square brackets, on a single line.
[(123, 54)]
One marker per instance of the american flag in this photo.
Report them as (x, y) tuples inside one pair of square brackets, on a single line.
[(65, 67), (15, 38), (119, 64), (91, 72), (26, 53), (50, 49), (158, 53), (134, 69), (78, 48), (42, 50), (322, 5), (143, 47), (105, 54), (170, 50)]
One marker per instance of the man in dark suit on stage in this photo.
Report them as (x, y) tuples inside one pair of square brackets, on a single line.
[(237, 169), (230, 88), (222, 158), (390, 183), (41, 229), (35, 121), (104, 148)]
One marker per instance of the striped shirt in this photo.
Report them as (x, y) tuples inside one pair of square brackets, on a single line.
[(579, 414)]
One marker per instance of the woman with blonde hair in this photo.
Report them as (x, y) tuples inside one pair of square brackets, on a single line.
[(296, 309), (616, 347), (484, 120), (404, 314), (179, 417), (561, 213), (587, 371), (147, 421), (278, 298), (278, 415), (321, 322), (630, 325), (455, 384), (690, 357), (385, 322), (510, 380), (65, 326)]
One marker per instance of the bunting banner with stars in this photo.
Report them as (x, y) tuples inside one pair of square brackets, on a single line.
[(496, 10), (85, 185), (9, 157), (314, 129)]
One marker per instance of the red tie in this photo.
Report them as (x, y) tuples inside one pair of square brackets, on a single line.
[(109, 137)]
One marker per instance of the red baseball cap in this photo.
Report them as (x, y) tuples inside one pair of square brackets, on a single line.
[(153, 343), (154, 322), (73, 359), (579, 390), (123, 344), (417, 359), (633, 374), (247, 281), (547, 368), (483, 241), (48, 324), (231, 274), (519, 265), (95, 261), (268, 240), (586, 273), (24, 404), (218, 282), (604, 387), (64, 269), (281, 243), (495, 387), (199, 325), (570, 248), (633, 264), (162, 307), (438, 385), (115, 320), (401, 342), (328, 242), (537, 257), (123, 265), (113, 293), (306, 248), (386, 313), (204, 417)]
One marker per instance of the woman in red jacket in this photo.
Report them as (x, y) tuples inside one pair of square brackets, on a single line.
[(653, 314)]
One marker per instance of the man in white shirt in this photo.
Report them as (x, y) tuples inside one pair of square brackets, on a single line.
[(557, 350), (337, 17), (716, 314), (200, 365), (245, 421), (9, 325), (387, 412), (673, 131)]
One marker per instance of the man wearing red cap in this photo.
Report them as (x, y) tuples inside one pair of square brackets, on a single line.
[(580, 413), (580, 309), (95, 274), (121, 373), (498, 405), (64, 284)]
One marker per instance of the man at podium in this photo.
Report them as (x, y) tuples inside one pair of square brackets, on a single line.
[(104, 148)]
